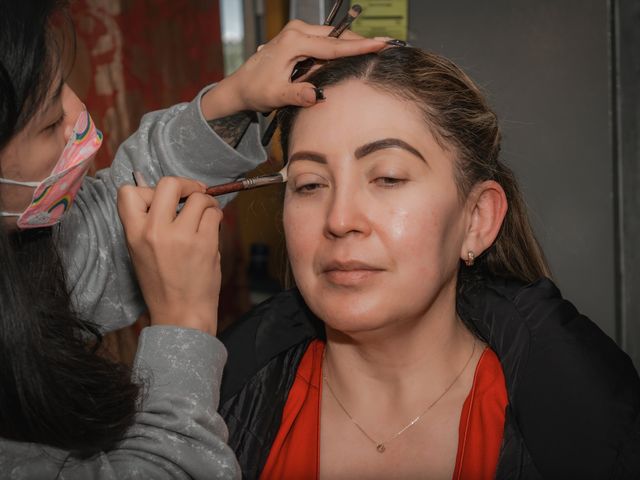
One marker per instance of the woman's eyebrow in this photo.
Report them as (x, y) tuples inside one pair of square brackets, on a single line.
[(360, 152), (371, 147), (307, 155)]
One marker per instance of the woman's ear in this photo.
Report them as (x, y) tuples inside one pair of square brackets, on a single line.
[(486, 206)]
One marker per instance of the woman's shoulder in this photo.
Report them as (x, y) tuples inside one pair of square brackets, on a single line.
[(518, 319), (574, 393)]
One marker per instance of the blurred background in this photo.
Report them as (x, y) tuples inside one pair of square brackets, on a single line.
[(564, 78)]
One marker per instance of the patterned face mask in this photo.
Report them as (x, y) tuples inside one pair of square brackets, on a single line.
[(54, 195)]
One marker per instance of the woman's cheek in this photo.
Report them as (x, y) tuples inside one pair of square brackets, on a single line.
[(399, 223), (294, 229)]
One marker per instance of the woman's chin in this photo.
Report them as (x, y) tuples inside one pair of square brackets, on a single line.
[(353, 321)]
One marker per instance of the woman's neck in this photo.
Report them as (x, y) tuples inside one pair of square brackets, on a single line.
[(395, 361)]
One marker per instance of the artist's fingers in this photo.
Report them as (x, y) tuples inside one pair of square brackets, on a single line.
[(302, 94), (209, 227), (327, 48), (133, 204), (190, 216), (349, 35), (167, 196)]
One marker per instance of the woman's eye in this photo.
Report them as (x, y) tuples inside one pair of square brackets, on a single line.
[(389, 181), (55, 124), (308, 187)]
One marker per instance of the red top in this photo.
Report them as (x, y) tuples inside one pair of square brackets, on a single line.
[(295, 452)]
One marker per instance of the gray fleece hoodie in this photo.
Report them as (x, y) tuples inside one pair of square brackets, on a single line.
[(178, 432)]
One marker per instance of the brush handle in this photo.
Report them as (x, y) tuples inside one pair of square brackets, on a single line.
[(221, 189), (269, 131), (225, 188), (245, 184)]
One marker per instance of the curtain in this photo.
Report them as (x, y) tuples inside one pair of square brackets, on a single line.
[(136, 56)]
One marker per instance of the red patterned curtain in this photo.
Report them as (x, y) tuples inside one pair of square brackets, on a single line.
[(135, 56)]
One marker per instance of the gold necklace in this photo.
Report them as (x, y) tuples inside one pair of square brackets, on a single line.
[(381, 446)]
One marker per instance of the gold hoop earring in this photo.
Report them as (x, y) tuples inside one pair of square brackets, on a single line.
[(471, 258)]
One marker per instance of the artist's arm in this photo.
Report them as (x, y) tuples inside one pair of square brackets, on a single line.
[(211, 139), (172, 142), (232, 128), (178, 433)]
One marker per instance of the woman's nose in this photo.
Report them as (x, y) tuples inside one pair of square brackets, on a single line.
[(72, 108), (347, 214)]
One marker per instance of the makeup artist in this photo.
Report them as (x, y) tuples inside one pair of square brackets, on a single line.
[(66, 277), (423, 338)]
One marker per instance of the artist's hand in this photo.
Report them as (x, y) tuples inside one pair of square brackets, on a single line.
[(263, 83), (175, 256)]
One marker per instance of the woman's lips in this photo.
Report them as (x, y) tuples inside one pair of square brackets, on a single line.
[(349, 273)]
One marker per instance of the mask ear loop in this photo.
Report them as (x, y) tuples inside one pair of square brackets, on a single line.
[(20, 184)]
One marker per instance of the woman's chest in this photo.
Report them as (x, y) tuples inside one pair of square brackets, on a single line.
[(425, 450)]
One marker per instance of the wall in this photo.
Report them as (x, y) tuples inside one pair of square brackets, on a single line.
[(546, 67)]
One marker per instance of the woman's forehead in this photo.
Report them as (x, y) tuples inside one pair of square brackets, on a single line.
[(354, 109)]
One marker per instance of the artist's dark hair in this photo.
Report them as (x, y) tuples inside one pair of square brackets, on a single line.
[(55, 388), (457, 113)]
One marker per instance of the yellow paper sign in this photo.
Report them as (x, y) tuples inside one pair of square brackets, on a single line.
[(382, 18)]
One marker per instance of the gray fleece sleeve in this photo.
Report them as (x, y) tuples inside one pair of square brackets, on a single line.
[(176, 141), (178, 433)]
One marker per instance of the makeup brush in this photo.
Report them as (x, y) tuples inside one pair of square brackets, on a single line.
[(230, 187), (248, 183), (333, 12)]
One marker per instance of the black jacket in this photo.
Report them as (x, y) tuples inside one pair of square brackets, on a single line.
[(574, 396)]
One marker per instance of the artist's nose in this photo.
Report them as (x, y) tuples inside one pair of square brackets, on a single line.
[(347, 213), (72, 106)]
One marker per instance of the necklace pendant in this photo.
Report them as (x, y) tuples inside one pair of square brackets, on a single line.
[(380, 448)]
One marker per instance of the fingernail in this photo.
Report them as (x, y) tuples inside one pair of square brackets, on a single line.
[(394, 42), (319, 94)]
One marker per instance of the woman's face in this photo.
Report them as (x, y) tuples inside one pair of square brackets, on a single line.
[(373, 221), (32, 153)]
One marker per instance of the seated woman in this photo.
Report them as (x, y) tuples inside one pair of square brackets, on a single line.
[(423, 339)]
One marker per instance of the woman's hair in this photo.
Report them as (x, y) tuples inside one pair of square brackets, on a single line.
[(54, 386), (457, 114)]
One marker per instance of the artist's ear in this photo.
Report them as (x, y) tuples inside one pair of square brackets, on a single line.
[(486, 207)]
